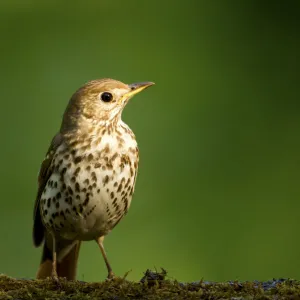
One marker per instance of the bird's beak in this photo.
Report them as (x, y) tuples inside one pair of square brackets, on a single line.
[(137, 87)]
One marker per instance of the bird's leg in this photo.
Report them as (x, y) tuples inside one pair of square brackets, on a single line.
[(54, 260), (109, 269)]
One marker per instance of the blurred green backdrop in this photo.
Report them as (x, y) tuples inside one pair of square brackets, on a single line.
[(218, 191)]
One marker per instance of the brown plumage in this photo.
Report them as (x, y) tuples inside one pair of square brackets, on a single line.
[(87, 179)]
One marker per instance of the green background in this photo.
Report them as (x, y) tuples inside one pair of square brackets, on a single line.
[(218, 191)]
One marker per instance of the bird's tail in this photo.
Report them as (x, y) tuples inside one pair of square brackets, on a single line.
[(67, 258)]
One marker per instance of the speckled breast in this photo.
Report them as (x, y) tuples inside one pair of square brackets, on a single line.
[(91, 186)]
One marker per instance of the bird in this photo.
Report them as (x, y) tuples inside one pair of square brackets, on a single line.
[(87, 179)]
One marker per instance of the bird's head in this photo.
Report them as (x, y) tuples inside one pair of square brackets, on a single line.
[(99, 102)]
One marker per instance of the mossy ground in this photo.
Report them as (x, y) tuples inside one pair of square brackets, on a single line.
[(152, 286)]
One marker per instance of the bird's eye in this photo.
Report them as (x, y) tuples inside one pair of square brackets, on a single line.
[(106, 97)]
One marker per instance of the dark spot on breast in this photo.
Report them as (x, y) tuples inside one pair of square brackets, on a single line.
[(114, 156), (132, 150), (62, 214), (86, 201), (112, 195), (105, 179), (77, 159), (88, 168), (119, 188), (127, 183), (77, 171), (97, 165), (94, 177), (93, 208), (57, 204), (90, 157), (131, 191), (125, 204), (70, 190), (99, 140), (77, 187)]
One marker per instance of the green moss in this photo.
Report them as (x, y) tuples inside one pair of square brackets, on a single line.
[(152, 286)]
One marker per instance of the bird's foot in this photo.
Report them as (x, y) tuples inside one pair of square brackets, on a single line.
[(55, 280), (111, 275)]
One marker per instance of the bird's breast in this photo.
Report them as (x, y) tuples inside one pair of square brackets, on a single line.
[(91, 186)]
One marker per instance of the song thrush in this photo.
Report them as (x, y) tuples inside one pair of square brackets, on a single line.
[(87, 179)]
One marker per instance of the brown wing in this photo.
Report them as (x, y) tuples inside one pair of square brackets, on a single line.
[(44, 174)]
